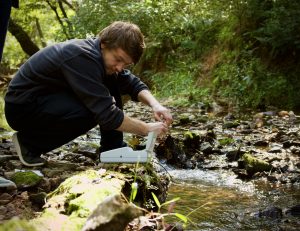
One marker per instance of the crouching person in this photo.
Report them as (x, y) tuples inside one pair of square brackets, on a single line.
[(66, 89)]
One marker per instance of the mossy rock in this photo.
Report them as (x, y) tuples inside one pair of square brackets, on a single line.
[(91, 195), (253, 165), (191, 141), (226, 141), (68, 207), (17, 224), (26, 179), (231, 124)]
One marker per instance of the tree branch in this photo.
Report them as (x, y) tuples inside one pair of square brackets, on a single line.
[(28, 46)]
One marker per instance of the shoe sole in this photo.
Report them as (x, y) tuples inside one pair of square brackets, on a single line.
[(18, 149)]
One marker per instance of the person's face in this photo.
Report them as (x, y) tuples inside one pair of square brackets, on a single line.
[(115, 60)]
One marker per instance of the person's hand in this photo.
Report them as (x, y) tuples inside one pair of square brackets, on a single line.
[(162, 114), (158, 127)]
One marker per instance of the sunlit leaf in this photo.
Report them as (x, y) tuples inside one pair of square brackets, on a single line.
[(134, 189), (170, 201), (181, 217), (156, 200)]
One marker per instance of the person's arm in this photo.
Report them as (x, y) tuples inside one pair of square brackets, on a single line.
[(139, 127), (161, 113)]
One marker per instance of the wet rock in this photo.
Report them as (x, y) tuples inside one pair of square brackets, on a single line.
[(189, 164), (172, 152), (26, 179), (295, 179), (14, 164), (253, 165), (4, 158), (191, 141), (261, 143), (62, 165), (287, 144), (230, 124), (246, 131), (257, 123), (210, 136), (185, 118), (275, 149), (206, 148), (38, 199), (292, 117), (5, 198), (233, 154), (293, 211), (273, 178), (68, 157), (210, 126), (55, 182), (45, 185), (272, 212), (89, 152), (11, 209), (241, 173), (258, 115), (3, 211), (270, 113), (111, 214), (283, 113), (295, 150), (6, 146), (198, 157), (229, 117), (217, 151), (202, 119)]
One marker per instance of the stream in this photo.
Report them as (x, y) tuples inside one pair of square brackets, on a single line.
[(216, 200)]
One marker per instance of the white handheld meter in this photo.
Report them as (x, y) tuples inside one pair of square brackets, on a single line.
[(128, 155)]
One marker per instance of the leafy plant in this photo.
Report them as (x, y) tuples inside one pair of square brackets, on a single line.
[(180, 216)]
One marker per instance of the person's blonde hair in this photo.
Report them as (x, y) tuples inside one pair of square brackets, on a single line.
[(124, 35)]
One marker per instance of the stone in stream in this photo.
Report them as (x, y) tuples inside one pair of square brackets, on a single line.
[(293, 211), (171, 151), (112, 214), (272, 212), (253, 165)]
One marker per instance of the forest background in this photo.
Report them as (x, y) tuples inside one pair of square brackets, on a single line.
[(238, 53)]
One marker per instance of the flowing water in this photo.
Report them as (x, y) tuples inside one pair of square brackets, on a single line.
[(216, 200)]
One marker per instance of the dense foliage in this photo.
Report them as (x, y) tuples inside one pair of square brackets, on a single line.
[(260, 59), (245, 52)]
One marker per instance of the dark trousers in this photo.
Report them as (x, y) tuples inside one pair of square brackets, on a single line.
[(52, 120), (5, 9)]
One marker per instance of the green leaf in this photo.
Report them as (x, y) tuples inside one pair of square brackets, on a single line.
[(170, 201), (134, 188), (181, 217), (156, 200)]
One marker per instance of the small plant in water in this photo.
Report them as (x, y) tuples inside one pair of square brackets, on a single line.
[(134, 185), (171, 203)]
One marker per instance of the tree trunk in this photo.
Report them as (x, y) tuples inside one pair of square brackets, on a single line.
[(28, 46)]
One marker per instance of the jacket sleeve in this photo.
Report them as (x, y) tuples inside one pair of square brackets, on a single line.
[(130, 84)]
